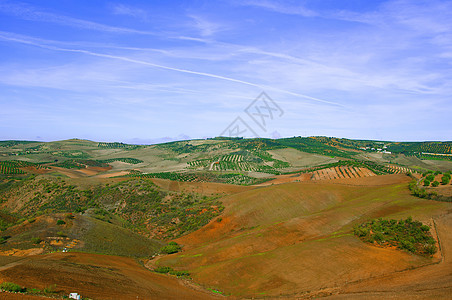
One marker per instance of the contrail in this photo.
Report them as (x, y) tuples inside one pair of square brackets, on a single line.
[(141, 62)]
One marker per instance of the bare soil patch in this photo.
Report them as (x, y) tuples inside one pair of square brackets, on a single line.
[(97, 277)]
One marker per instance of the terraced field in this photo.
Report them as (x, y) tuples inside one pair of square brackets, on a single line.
[(399, 169), (341, 172)]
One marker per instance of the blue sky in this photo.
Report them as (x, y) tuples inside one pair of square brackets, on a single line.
[(139, 71)]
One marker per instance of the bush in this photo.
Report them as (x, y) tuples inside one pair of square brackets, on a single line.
[(408, 245), (171, 271), (435, 183), (36, 240), (430, 249), (60, 222), (430, 177), (171, 248), (408, 234), (445, 179), (361, 231), (426, 182), (11, 287), (163, 270), (179, 273), (50, 289), (425, 228)]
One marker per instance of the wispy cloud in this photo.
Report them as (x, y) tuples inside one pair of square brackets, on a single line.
[(28, 12), (205, 27), (126, 10), (146, 63), (280, 7)]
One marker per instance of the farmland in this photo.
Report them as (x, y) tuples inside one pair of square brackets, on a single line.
[(248, 207)]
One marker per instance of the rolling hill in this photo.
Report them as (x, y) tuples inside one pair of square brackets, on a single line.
[(252, 218)]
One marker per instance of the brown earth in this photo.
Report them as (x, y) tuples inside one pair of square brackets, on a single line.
[(109, 175), (96, 277), (433, 281), (79, 173), (323, 174), (288, 241), (204, 188), (14, 296), (295, 240)]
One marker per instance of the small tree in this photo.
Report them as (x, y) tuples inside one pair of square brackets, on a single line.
[(435, 183), (426, 182)]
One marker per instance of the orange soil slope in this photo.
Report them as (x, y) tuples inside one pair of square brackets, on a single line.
[(96, 277), (295, 240), (430, 282)]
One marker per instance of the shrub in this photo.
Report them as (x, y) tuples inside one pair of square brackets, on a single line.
[(50, 289), (425, 228), (430, 249), (426, 182), (430, 177), (408, 234), (172, 247), (435, 183), (36, 240), (60, 222), (408, 245), (179, 273), (445, 179), (163, 270), (11, 287), (171, 271)]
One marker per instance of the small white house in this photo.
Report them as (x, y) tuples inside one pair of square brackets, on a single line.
[(75, 296)]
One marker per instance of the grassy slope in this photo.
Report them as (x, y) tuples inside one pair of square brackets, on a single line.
[(296, 238), (91, 235)]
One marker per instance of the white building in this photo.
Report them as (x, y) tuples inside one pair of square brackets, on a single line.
[(75, 296)]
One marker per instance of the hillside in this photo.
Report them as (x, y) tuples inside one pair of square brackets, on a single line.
[(297, 238), (234, 161), (251, 218)]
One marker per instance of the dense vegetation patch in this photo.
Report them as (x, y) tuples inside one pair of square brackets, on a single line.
[(230, 178), (171, 248), (171, 271), (136, 204), (406, 234), (15, 288), (421, 192)]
